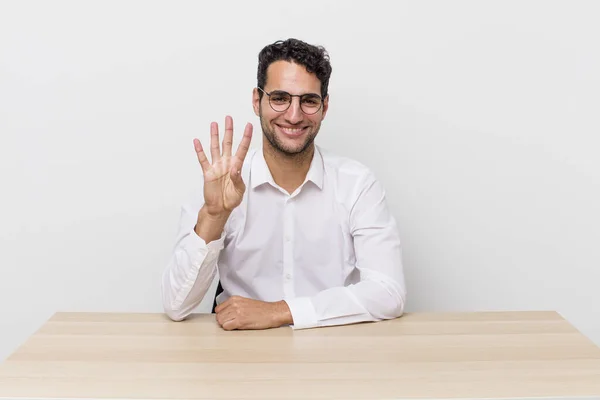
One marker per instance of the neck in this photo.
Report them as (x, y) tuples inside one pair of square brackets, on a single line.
[(288, 170)]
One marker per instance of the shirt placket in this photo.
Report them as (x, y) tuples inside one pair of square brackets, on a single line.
[(288, 249)]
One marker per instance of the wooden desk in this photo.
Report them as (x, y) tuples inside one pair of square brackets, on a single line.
[(447, 355)]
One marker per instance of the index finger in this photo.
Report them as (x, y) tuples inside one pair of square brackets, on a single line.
[(242, 150)]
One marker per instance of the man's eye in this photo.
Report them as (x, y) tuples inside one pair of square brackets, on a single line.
[(279, 98), (311, 101)]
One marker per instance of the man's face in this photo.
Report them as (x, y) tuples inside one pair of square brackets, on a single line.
[(291, 131)]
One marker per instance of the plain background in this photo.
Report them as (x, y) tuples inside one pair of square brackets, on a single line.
[(481, 118)]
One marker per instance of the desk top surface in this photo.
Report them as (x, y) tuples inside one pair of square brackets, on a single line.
[(420, 355)]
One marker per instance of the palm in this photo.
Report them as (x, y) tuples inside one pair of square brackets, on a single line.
[(219, 190), (223, 184)]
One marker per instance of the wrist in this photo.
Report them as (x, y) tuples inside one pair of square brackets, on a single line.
[(282, 314), (210, 226), (214, 216)]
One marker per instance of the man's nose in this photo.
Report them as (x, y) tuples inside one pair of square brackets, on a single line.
[(294, 113)]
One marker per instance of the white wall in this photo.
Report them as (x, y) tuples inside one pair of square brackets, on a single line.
[(481, 119)]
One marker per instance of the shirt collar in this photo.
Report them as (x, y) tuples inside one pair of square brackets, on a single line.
[(260, 173), (316, 170)]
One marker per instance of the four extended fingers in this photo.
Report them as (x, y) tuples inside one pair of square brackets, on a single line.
[(215, 149)]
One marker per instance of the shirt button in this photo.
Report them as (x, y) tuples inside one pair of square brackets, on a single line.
[(288, 276), (287, 238)]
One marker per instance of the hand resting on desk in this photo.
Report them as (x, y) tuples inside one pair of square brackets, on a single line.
[(242, 313)]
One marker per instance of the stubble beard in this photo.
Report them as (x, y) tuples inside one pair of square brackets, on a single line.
[(280, 150)]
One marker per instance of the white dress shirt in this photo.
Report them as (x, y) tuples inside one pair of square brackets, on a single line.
[(331, 249)]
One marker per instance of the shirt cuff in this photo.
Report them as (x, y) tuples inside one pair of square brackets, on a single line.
[(303, 313), (197, 248)]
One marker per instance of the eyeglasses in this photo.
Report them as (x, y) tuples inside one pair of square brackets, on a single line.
[(280, 101)]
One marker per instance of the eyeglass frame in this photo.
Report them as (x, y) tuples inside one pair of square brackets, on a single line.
[(292, 99)]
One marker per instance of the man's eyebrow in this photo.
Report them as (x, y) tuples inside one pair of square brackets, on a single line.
[(285, 91)]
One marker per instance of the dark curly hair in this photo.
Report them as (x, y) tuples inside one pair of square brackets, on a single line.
[(314, 58)]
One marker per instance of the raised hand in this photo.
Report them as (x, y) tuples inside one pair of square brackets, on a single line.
[(223, 184)]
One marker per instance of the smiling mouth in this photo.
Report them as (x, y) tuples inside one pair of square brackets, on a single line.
[(292, 131)]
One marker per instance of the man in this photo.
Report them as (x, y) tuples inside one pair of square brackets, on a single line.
[(299, 236)]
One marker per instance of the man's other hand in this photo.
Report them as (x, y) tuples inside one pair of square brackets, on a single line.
[(242, 313)]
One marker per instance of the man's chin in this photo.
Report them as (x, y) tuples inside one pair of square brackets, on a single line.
[(292, 149)]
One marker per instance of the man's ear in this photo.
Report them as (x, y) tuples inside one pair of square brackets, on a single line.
[(256, 101), (325, 107)]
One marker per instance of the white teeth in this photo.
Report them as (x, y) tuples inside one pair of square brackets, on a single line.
[(291, 130)]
